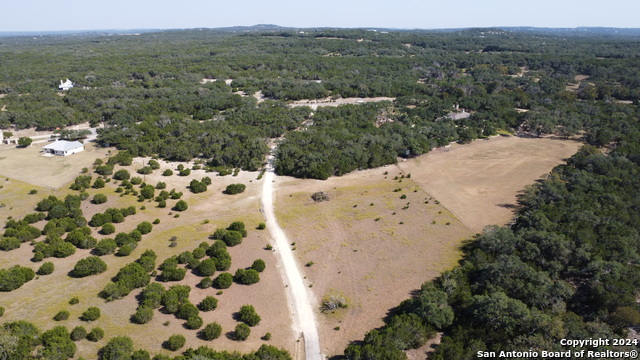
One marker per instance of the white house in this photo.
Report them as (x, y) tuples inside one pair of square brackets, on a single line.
[(63, 148), (65, 85)]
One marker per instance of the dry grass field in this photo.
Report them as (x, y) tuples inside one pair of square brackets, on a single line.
[(29, 166), (479, 182), (367, 244), (40, 299)]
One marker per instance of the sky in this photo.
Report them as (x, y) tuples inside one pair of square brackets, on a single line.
[(48, 15)]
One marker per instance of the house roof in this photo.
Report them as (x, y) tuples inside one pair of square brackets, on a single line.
[(63, 145), (458, 116)]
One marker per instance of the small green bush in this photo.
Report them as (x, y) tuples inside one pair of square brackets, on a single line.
[(46, 268), (174, 342), (96, 334), (211, 331), (91, 314), (242, 332), (61, 315)]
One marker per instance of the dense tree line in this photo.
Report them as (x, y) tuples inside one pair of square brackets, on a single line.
[(566, 268), (149, 91)]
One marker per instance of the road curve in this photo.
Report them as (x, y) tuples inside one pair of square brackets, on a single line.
[(302, 311)]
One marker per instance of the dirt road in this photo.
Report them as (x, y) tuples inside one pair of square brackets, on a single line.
[(304, 320)]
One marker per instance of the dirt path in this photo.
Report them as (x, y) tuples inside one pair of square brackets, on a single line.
[(302, 310)]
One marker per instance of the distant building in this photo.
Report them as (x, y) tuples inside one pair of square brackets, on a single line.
[(458, 115), (63, 148), (64, 86)]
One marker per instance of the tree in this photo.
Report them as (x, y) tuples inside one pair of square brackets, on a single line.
[(209, 303), (122, 174), (108, 229), (118, 348), (147, 192), (246, 277), (174, 342), (258, 265), (211, 331), (232, 238), (23, 142), (96, 334), (181, 205), (99, 199), (248, 315), (61, 315), (144, 227), (207, 267), (223, 281), (268, 352), (91, 314), (78, 333), (105, 247), (186, 311), (143, 315), (233, 189), (242, 332), (46, 268), (194, 322), (89, 266), (197, 186)]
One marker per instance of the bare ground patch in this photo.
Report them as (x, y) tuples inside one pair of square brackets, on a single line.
[(29, 166), (366, 243), (337, 102), (479, 182)]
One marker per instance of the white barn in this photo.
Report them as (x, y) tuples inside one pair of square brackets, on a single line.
[(65, 85), (63, 148)]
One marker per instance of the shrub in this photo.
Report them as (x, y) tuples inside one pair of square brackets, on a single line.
[(209, 303), (98, 184), (207, 267), (118, 348), (99, 199), (144, 227), (122, 174), (108, 229), (105, 247), (89, 266), (181, 206), (261, 226), (161, 185), (145, 170), (15, 277), (96, 334), (197, 187), (141, 355), (242, 332), (234, 189), (267, 336), (194, 322), (78, 333), (173, 274), (105, 170), (186, 311), (248, 315), (167, 172), (205, 283), (184, 172), (211, 331), (37, 256), (246, 277), (46, 268), (9, 243), (223, 281), (61, 315), (174, 342), (199, 252), (232, 238), (23, 142), (147, 192), (91, 314), (143, 315), (258, 265)]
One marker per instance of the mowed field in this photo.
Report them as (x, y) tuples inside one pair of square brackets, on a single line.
[(372, 246), (479, 182), (27, 165), (368, 243), (40, 299)]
